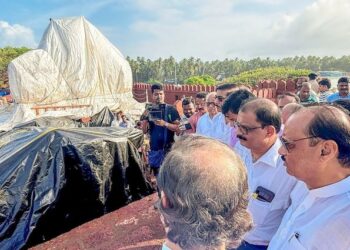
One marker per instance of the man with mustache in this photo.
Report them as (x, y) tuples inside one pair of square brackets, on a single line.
[(315, 147), (230, 110), (258, 123), (343, 90), (201, 109), (205, 125)]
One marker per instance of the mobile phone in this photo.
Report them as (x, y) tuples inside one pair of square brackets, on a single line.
[(188, 126), (264, 194)]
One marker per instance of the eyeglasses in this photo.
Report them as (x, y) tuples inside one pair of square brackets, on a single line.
[(245, 129), (220, 98), (210, 103), (291, 144)]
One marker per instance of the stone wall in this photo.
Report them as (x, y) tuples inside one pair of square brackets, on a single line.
[(269, 89)]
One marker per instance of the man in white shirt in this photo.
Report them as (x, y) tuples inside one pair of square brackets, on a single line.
[(222, 131), (316, 146), (208, 121), (230, 110), (258, 124)]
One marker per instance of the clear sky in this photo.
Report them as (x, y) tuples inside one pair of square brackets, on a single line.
[(208, 29)]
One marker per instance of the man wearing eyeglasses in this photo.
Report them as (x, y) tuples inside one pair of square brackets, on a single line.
[(230, 110), (206, 122), (258, 123), (315, 148)]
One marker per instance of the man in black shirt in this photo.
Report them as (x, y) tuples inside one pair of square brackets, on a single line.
[(161, 121)]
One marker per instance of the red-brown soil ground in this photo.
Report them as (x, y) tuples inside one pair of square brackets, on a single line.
[(135, 226)]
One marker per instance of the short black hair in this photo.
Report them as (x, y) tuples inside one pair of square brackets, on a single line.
[(312, 76), (296, 97), (344, 103), (226, 86), (332, 123), (235, 100), (325, 82), (343, 79), (201, 95), (266, 112), (156, 86), (187, 101)]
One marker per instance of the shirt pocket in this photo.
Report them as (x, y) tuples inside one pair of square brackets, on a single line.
[(259, 210), (280, 204)]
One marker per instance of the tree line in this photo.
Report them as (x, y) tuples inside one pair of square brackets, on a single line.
[(172, 71)]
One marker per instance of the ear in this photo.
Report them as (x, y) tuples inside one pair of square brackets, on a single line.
[(329, 150), (164, 200), (270, 130)]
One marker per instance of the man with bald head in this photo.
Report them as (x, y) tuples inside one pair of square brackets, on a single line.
[(203, 199), (258, 123), (288, 110), (283, 100), (306, 94), (315, 148)]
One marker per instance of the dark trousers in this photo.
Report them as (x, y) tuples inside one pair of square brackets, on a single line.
[(247, 246), (155, 172)]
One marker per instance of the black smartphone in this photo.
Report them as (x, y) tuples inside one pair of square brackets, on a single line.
[(264, 194), (188, 126)]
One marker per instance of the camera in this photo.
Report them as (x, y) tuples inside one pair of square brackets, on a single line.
[(155, 111)]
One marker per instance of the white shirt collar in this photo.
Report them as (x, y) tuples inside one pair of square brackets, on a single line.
[(214, 117), (270, 158), (337, 188)]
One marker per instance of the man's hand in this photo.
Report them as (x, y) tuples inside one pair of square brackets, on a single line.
[(144, 115), (160, 122), (145, 126)]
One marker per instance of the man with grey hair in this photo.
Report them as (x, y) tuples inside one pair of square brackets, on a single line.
[(203, 199), (206, 124)]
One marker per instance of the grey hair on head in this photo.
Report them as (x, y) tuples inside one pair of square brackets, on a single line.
[(205, 184)]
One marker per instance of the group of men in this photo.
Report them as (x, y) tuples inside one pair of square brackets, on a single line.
[(314, 91), (286, 164)]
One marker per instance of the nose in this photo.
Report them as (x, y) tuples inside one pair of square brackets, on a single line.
[(282, 151), (217, 102)]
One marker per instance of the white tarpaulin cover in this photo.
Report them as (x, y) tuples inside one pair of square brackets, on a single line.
[(73, 65)]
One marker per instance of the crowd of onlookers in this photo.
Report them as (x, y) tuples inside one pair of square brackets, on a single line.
[(249, 173)]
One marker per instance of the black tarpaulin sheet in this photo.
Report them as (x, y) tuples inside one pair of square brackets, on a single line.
[(55, 179), (52, 121), (103, 118)]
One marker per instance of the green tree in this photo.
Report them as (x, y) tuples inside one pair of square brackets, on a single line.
[(201, 80)]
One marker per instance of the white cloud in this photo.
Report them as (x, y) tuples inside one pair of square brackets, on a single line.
[(16, 35), (321, 29), (217, 29)]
